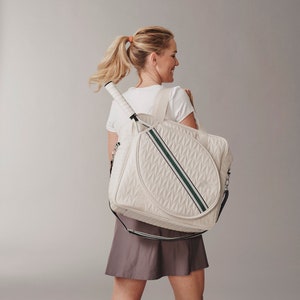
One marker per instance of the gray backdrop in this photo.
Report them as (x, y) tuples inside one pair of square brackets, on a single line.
[(241, 60)]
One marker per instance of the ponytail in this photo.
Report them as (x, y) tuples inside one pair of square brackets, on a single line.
[(118, 59), (115, 64)]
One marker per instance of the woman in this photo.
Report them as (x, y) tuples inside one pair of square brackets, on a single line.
[(134, 260)]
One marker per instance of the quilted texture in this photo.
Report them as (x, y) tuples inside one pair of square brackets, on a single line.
[(144, 187)]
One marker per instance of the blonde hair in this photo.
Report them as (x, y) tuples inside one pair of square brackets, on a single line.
[(118, 59)]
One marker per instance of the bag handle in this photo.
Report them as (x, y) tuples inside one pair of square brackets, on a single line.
[(160, 111), (161, 103)]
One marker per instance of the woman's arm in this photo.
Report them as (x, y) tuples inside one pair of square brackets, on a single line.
[(190, 121), (112, 139)]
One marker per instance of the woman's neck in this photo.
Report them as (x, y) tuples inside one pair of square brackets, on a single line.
[(148, 79)]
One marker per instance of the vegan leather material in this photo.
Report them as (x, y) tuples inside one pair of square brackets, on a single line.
[(167, 174)]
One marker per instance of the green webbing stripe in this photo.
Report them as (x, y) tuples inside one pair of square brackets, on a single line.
[(179, 172)]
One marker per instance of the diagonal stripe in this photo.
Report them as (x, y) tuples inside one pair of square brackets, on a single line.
[(178, 170)]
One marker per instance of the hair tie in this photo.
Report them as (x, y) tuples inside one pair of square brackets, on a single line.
[(130, 39)]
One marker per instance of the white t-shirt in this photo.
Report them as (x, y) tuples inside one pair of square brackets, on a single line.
[(142, 100)]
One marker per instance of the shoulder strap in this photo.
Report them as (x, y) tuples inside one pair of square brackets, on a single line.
[(160, 110), (161, 103), (149, 236)]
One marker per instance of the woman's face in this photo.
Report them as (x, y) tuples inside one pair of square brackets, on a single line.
[(166, 62)]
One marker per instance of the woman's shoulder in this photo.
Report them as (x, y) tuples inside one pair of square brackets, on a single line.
[(178, 93), (147, 89)]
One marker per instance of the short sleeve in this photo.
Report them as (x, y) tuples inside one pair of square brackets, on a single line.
[(180, 105)]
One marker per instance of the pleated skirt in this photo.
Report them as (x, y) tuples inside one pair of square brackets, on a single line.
[(135, 257)]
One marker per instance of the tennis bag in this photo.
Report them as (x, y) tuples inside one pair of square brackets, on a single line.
[(167, 174)]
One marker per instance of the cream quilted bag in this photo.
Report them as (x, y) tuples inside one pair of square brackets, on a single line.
[(167, 174)]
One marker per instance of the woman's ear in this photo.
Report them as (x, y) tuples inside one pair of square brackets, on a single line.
[(153, 58)]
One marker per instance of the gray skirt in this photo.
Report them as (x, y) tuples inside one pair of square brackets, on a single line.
[(139, 258)]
